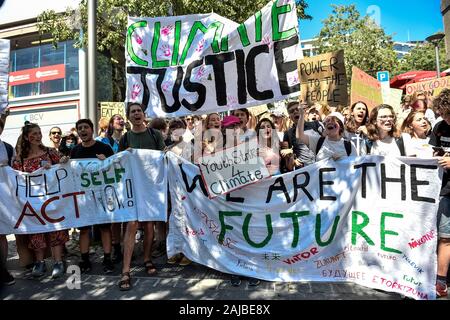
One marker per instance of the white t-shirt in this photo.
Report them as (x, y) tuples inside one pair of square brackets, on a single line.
[(415, 147), (385, 147), (330, 148)]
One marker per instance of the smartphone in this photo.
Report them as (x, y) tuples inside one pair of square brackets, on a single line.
[(440, 151)]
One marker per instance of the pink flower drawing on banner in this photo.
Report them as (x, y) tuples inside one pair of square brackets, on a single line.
[(165, 86), (200, 45), (293, 79), (167, 52), (138, 39), (266, 40), (135, 92), (200, 73), (232, 100), (166, 30)]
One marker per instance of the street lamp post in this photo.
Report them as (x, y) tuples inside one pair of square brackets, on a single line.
[(435, 39)]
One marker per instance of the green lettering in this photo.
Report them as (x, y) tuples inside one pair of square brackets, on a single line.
[(155, 42), (319, 228), (294, 216), (95, 182), (245, 228), (107, 179), (243, 35), (217, 26), (224, 227), (118, 173), (176, 45), (357, 228), (384, 232), (258, 26), (133, 56), (276, 34), (84, 178)]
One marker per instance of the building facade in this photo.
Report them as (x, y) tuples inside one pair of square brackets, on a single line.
[(44, 81)]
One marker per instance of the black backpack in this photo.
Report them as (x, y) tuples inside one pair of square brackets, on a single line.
[(347, 145), (399, 141)]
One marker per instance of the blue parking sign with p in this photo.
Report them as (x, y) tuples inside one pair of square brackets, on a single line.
[(383, 76)]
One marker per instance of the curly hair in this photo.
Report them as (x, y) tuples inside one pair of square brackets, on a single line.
[(23, 143), (441, 103), (351, 125), (372, 128)]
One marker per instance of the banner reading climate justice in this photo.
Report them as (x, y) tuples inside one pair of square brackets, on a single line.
[(84, 192), (368, 220), (206, 63)]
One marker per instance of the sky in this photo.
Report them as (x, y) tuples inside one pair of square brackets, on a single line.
[(402, 19)]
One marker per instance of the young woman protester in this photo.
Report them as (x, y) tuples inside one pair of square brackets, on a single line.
[(383, 136), (332, 144), (32, 155), (268, 145), (355, 127), (415, 132)]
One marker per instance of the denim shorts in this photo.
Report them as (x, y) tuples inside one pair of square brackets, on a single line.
[(443, 217)]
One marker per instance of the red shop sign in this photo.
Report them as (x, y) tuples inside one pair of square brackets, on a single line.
[(57, 71)]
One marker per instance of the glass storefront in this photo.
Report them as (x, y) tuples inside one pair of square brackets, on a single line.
[(65, 56)]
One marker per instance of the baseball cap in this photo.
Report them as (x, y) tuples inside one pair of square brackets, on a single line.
[(230, 120), (338, 115)]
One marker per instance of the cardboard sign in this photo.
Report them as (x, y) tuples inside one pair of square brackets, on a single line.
[(433, 87), (108, 109), (323, 79), (365, 88), (232, 168)]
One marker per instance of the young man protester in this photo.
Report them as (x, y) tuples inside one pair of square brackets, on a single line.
[(440, 137), (90, 148), (140, 137)]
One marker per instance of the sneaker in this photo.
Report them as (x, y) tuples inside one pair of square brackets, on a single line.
[(108, 266), (160, 250), (441, 289), (184, 262), (58, 269), (235, 281), (174, 259), (39, 269), (7, 278), (139, 235), (85, 266), (253, 282)]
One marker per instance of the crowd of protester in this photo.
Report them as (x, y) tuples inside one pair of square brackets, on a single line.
[(287, 139)]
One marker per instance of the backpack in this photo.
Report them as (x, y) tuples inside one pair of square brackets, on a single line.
[(347, 145), (398, 141), (9, 152), (150, 131)]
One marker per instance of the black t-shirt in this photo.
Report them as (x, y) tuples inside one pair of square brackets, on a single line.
[(80, 152), (440, 137)]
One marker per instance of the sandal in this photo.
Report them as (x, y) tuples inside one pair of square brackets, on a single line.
[(150, 267), (125, 282)]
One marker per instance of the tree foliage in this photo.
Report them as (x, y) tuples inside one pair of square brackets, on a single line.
[(423, 57), (365, 45), (112, 22)]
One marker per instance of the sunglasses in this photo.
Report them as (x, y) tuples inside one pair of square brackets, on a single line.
[(55, 132)]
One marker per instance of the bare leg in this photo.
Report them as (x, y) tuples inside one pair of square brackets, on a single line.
[(39, 254), (116, 229), (128, 245), (106, 239), (57, 253), (3, 249), (84, 241), (148, 240), (443, 256)]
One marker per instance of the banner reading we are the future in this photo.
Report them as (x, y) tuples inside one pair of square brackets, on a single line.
[(83, 193), (206, 63), (369, 220)]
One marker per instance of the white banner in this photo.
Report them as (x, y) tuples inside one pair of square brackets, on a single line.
[(84, 192), (4, 73), (369, 220), (206, 63), (233, 168)]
